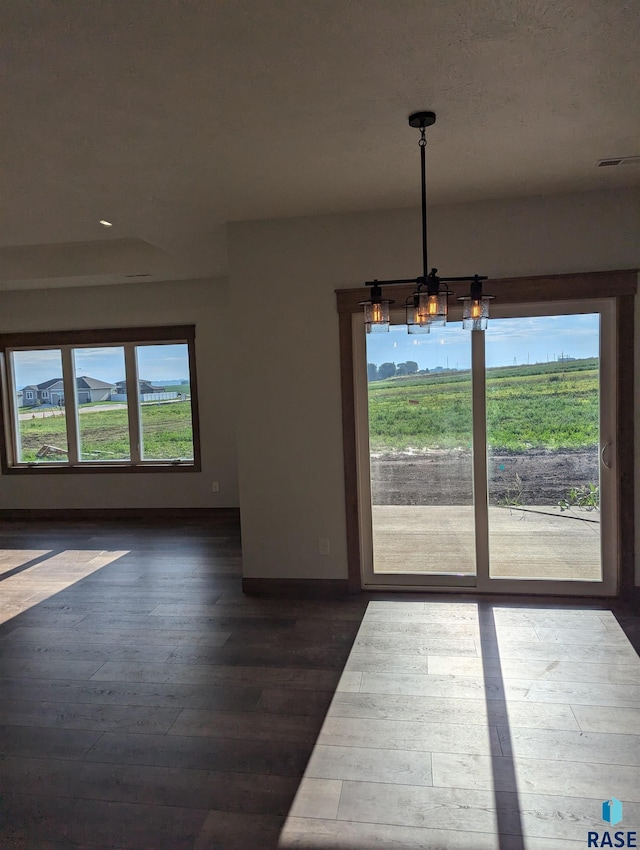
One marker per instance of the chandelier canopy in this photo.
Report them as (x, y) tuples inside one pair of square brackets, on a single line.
[(428, 306)]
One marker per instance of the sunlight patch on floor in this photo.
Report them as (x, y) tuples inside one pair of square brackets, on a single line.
[(464, 724), (12, 558), (22, 586)]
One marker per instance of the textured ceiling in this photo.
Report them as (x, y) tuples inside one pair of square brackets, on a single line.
[(171, 117)]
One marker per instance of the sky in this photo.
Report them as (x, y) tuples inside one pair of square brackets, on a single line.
[(155, 363), (508, 342)]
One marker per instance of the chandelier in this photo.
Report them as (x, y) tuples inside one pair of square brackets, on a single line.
[(428, 306)]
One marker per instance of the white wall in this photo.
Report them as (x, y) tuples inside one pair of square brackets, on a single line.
[(200, 302), (283, 275)]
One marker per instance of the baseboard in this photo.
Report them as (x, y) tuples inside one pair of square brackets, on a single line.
[(222, 515), (296, 588)]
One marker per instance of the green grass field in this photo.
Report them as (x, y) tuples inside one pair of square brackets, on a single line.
[(104, 434), (547, 405)]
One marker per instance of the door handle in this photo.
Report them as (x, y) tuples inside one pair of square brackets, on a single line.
[(602, 460)]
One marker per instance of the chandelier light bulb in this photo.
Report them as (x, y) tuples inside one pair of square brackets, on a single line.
[(376, 311), (436, 309), (376, 317), (475, 313)]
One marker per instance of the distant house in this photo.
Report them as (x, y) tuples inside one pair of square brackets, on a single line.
[(52, 392), (145, 387), (29, 395), (49, 392), (91, 389)]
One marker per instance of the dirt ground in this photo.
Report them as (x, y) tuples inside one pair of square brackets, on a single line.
[(445, 478)]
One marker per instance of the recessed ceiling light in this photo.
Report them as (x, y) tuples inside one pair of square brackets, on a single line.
[(105, 223)]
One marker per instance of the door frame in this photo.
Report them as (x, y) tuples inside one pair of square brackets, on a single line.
[(584, 287)]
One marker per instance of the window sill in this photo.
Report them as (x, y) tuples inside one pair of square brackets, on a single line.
[(101, 468)]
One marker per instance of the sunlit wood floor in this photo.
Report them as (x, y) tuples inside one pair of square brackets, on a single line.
[(474, 726), (538, 542)]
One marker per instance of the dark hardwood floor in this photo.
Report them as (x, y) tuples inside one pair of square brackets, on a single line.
[(146, 703)]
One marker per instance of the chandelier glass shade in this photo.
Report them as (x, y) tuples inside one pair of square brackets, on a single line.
[(475, 313), (376, 316), (475, 308), (416, 320), (428, 306), (435, 307), (376, 312)]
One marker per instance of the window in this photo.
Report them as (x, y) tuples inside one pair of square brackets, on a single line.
[(38, 437), (165, 410), (103, 424), (125, 399)]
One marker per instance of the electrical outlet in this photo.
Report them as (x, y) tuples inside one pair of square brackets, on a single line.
[(215, 487), (323, 545)]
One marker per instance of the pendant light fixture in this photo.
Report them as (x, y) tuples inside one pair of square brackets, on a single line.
[(428, 306), (376, 311)]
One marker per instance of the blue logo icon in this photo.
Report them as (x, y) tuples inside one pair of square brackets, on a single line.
[(612, 811)]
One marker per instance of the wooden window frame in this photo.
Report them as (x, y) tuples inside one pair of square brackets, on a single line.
[(65, 341), (620, 284)]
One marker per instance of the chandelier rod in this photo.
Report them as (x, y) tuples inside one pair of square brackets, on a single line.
[(423, 173)]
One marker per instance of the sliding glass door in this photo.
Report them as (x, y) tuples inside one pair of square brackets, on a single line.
[(420, 441), (543, 437), (486, 459)]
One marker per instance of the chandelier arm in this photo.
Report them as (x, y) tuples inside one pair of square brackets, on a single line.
[(469, 277), (392, 282)]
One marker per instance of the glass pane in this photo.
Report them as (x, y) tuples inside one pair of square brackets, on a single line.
[(42, 429), (543, 438), (103, 424), (420, 438), (165, 402)]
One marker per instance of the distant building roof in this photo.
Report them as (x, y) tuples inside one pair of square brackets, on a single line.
[(141, 382), (46, 384), (84, 382)]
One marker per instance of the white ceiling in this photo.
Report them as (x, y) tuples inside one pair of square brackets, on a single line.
[(171, 117)]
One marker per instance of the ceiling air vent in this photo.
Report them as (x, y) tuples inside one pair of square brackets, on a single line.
[(619, 160)]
